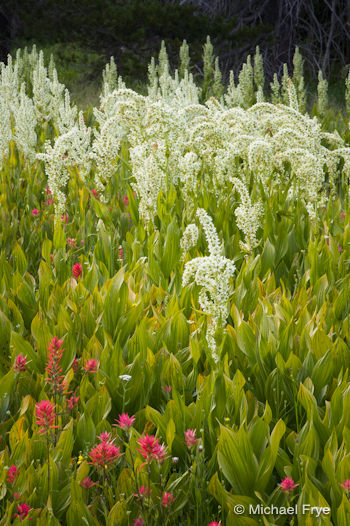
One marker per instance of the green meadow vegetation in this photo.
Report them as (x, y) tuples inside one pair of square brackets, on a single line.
[(174, 298)]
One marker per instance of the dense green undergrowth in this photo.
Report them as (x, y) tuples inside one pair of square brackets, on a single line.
[(271, 403)]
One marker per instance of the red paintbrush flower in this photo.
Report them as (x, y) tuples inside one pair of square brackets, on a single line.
[(167, 500), (104, 455), (21, 363), (12, 473), (72, 401), (77, 270), (124, 422), (53, 368), (22, 511), (190, 435), (151, 449), (91, 366), (87, 483), (287, 485), (45, 416)]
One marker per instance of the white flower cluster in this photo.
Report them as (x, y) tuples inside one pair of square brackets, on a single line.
[(172, 139), (209, 144), (189, 166), (70, 150), (189, 239), (212, 274), (248, 216)]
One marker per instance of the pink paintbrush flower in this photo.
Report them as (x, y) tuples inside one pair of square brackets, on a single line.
[(167, 500), (91, 366), (53, 367), (151, 449), (20, 364), (346, 484), (104, 455), (125, 421), (288, 485), (77, 270), (22, 511), (12, 474), (45, 416), (87, 483), (190, 437)]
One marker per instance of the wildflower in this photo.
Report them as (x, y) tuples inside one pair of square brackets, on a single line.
[(77, 269), (80, 459), (342, 215), (72, 401), (71, 242), (125, 201), (143, 492), (190, 435), (45, 416), (166, 389), (16, 496), (346, 484), (167, 499), (104, 455), (87, 483), (21, 363), (175, 460), (105, 437), (91, 366), (151, 449), (214, 523), (124, 422), (12, 473), (53, 368), (121, 253), (82, 242), (138, 521), (35, 212), (64, 218), (22, 511), (48, 191), (94, 193), (125, 377), (227, 419), (340, 249), (288, 485)]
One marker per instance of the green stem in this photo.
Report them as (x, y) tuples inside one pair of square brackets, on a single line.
[(48, 464)]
